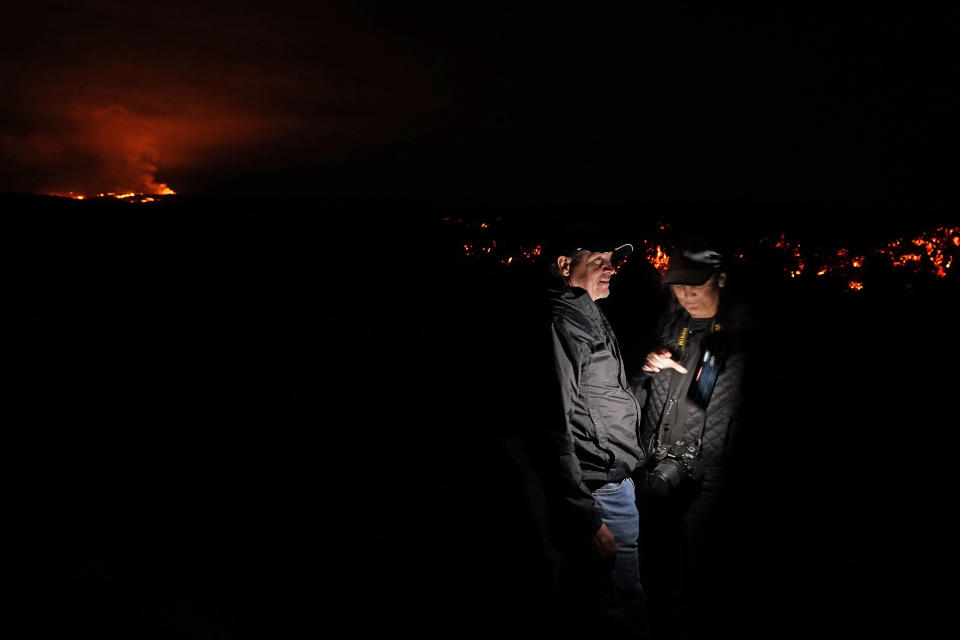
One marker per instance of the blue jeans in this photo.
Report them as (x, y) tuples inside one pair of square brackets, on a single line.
[(616, 502)]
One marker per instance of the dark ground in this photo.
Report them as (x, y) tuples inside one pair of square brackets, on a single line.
[(219, 425)]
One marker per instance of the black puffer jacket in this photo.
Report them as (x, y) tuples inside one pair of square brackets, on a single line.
[(731, 333), (597, 438)]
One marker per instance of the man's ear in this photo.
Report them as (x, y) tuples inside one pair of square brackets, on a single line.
[(563, 262), (722, 280)]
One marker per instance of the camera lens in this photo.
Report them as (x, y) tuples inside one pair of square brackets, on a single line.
[(658, 484), (664, 477)]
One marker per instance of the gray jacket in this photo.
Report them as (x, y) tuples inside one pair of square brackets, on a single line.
[(598, 440)]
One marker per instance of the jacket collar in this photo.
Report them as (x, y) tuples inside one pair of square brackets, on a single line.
[(579, 299)]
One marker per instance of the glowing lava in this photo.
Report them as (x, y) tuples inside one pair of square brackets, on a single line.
[(659, 258), (935, 250), (792, 249), (935, 246), (130, 196)]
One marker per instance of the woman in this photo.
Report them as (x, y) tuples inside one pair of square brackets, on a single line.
[(691, 388)]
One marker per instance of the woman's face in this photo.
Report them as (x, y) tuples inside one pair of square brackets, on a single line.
[(700, 301)]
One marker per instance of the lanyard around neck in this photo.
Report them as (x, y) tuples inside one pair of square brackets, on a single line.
[(683, 340)]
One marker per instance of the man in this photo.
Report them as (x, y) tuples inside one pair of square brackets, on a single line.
[(593, 441)]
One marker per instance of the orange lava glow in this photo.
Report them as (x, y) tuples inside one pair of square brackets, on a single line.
[(934, 246), (792, 249), (112, 147), (659, 258), (931, 252), (840, 262), (129, 197), (799, 270)]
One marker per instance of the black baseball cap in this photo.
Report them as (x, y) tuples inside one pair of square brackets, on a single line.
[(693, 268), (620, 253)]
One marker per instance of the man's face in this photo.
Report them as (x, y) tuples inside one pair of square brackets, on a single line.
[(700, 301), (592, 273)]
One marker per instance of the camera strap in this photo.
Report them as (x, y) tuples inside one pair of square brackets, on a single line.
[(668, 406), (683, 341)]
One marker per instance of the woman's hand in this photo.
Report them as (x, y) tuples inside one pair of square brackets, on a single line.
[(659, 360)]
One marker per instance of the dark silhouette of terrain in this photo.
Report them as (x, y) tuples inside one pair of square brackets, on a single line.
[(244, 417)]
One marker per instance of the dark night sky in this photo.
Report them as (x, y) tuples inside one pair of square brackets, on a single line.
[(542, 101)]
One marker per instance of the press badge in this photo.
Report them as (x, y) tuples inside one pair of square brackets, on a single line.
[(704, 379)]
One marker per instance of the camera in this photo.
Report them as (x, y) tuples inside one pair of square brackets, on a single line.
[(675, 465)]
